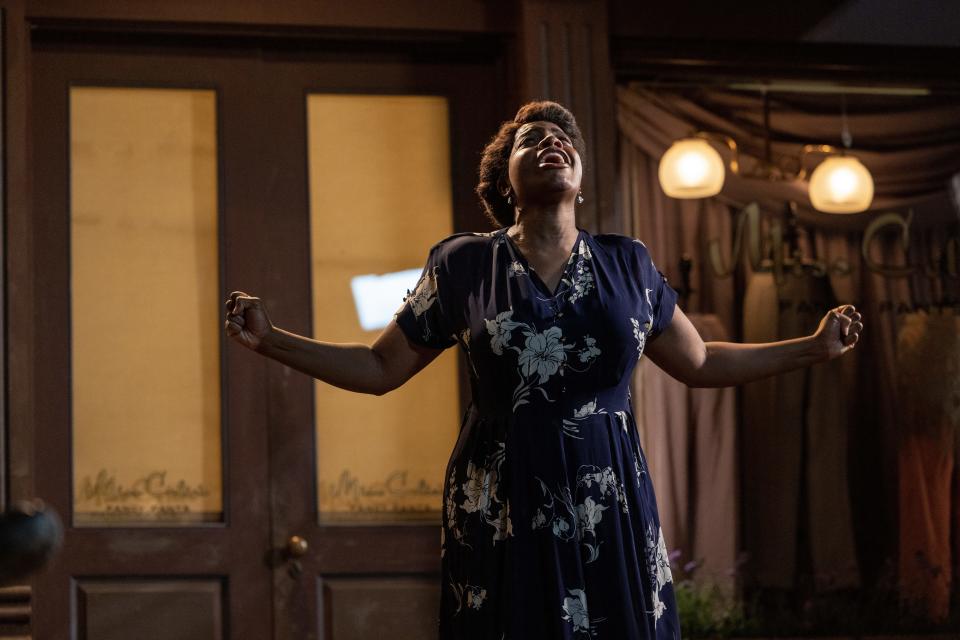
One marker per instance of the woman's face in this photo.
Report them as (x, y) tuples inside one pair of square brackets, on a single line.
[(544, 165)]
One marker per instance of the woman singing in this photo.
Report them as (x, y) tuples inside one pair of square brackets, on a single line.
[(550, 527)]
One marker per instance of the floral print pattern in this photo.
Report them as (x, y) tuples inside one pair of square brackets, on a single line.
[(425, 293), (658, 564), (640, 333), (546, 497), (464, 340), (582, 281), (571, 425), (500, 331), (543, 354), (516, 269), (590, 350), (573, 521), (481, 495), (575, 612), (468, 595)]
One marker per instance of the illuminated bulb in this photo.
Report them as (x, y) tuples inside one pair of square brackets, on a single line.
[(691, 168), (841, 184)]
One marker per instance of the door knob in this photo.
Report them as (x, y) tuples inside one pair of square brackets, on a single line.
[(297, 547)]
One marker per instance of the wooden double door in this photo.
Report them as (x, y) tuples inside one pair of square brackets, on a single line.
[(258, 560)]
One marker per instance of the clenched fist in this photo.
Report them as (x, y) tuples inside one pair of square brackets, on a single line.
[(839, 330), (247, 320)]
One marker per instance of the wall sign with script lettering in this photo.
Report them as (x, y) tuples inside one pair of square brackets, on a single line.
[(748, 242), (154, 497), (394, 495)]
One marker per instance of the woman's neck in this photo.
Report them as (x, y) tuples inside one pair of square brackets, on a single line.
[(544, 229)]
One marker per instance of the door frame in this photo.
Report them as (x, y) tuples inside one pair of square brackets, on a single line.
[(46, 274)]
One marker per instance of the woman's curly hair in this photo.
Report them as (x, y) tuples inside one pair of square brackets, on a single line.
[(495, 161)]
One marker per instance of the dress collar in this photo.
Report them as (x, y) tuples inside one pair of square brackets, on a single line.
[(576, 255)]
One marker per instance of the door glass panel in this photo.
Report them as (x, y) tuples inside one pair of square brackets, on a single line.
[(145, 307), (380, 197)]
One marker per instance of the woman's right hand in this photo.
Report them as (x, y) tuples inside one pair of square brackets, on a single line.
[(247, 320)]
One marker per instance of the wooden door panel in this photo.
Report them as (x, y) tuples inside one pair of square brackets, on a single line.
[(149, 610), (358, 608), (211, 578), (15, 612), (362, 571)]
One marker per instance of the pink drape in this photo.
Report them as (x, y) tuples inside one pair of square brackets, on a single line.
[(689, 436)]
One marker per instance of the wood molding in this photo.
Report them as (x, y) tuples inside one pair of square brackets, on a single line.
[(3, 280), (15, 611), (705, 62), (17, 261), (565, 57), (417, 45), (476, 16)]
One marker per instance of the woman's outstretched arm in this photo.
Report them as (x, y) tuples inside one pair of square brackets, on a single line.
[(376, 369), (681, 352)]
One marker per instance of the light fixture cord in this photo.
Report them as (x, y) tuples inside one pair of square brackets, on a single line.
[(767, 146), (845, 136)]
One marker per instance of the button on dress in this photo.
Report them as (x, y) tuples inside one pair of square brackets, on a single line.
[(550, 527)]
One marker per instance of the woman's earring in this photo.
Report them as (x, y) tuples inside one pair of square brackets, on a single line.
[(580, 198), (509, 199)]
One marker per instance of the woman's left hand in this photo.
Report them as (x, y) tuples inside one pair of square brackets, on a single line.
[(839, 331)]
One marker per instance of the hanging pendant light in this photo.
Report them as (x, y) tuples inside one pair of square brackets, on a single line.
[(841, 184), (691, 168)]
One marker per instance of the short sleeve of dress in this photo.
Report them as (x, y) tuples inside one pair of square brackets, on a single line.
[(660, 294), (424, 315)]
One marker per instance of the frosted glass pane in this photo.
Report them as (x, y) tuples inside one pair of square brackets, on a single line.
[(145, 306), (379, 199)]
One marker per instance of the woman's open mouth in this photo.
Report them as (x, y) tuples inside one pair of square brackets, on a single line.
[(553, 158)]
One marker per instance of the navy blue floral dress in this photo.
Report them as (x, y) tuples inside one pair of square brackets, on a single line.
[(550, 527)]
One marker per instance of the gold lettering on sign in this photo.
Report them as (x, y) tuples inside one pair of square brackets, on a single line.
[(394, 493), (748, 221), (151, 496), (750, 243), (105, 489), (873, 229)]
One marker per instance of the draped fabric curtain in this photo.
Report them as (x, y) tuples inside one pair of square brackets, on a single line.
[(677, 441), (912, 147), (689, 436)]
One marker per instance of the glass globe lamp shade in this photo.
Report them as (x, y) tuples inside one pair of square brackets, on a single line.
[(841, 184), (691, 168)]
